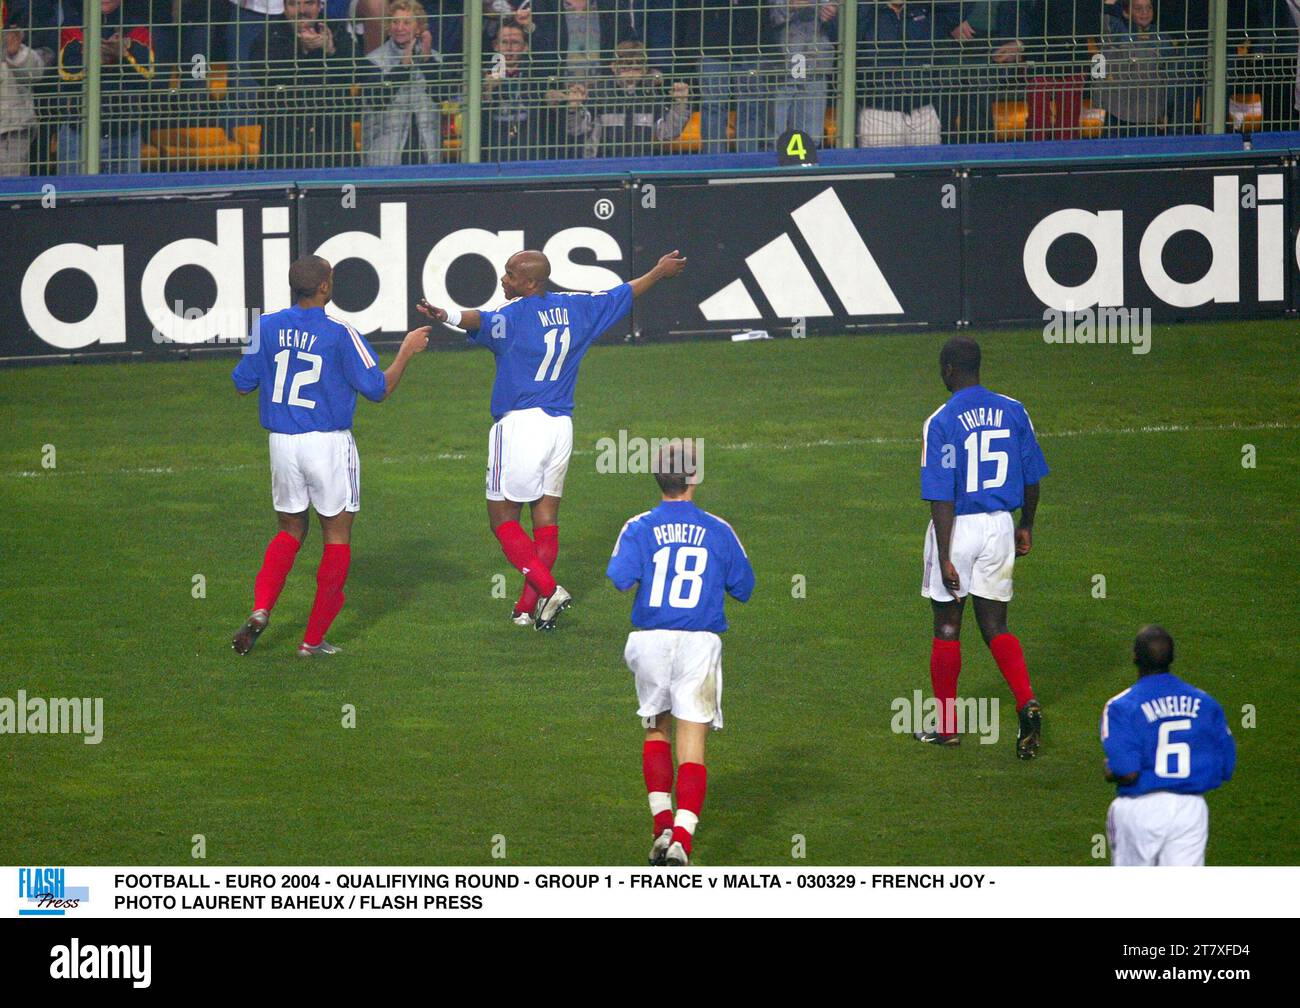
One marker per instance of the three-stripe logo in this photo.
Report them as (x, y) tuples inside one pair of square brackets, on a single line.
[(786, 282)]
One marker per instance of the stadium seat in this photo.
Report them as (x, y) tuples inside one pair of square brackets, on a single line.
[(1092, 120), (149, 158), (689, 142), (218, 80), (1010, 120), (1245, 112), (250, 139), (452, 124), (830, 127), (195, 148)]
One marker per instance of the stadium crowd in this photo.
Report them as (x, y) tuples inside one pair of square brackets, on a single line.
[(328, 83)]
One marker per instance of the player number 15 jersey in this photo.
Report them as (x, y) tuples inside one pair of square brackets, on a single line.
[(979, 451)]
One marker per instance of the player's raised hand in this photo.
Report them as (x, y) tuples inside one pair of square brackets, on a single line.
[(417, 339), (437, 314), (672, 263), (1024, 541), (951, 580)]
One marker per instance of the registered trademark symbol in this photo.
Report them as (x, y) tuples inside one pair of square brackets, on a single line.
[(604, 209)]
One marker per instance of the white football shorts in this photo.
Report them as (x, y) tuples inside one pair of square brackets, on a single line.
[(320, 468), (1158, 828), (679, 671), (984, 553), (528, 456)]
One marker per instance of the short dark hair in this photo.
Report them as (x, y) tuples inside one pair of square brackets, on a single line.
[(674, 466), (962, 353), (1153, 649), (306, 275), (509, 22)]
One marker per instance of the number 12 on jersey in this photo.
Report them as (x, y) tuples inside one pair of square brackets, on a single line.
[(300, 381)]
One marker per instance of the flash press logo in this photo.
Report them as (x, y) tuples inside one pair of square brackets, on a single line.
[(75, 961), (44, 892), (789, 287)]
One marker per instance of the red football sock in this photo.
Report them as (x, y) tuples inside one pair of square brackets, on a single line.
[(945, 667), (330, 576), (692, 779), (276, 564), (521, 553), (546, 541), (1010, 657), (657, 766)]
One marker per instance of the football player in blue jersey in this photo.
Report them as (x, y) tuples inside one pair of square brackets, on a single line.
[(307, 368), (1166, 744), (538, 338), (980, 461), (684, 562)]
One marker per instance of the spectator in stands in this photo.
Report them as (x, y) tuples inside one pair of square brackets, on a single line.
[(982, 36), (42, 19), (307, 82), (804, 35), (723, 34), (188, 37), (896, 79), (628, 111), (573, 38), (1135, 93), (126, 55), (246, 27), (368, 19), (20, 66), (517, 124), (650, 22), (404, 91)]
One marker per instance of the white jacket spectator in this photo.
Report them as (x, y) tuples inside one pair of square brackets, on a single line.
[(19, 67), (405, 85)]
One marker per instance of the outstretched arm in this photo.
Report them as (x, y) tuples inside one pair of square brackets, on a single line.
[(416, 340), (468, 320), (667, 266)]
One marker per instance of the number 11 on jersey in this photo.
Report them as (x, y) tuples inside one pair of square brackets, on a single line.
[(550, 352)]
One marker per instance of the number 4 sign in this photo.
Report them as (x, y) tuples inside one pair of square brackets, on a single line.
[(795, 147)]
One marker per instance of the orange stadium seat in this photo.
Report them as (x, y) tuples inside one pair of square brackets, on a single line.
[(218, 80), (1245, 112), (1092, 120), (250, 139), (196, 147), (1010, 120)]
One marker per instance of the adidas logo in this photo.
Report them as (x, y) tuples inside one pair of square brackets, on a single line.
[(785, 281)]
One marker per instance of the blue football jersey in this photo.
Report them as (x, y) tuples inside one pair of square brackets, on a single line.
[(539, 341), (1171, 734), (978, 450), (687, 561), (308, 369)]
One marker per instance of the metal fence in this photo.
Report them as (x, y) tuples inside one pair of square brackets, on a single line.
[(205, 84)]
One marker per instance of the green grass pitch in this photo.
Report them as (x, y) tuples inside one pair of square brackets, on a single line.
[(468, 728)]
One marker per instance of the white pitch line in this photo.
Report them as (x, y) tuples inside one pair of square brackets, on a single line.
[(738, 446)]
